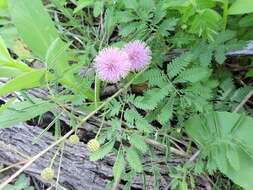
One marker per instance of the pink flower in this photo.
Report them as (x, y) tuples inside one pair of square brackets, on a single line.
[(112, 64), (138, 53)]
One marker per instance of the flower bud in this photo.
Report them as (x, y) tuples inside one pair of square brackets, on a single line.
[(93, 145), (47, 174), (74, 139)]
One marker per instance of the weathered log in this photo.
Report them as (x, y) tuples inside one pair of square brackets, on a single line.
[(76, 172), (246, 51)]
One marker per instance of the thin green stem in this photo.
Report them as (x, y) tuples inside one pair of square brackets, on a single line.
[(53, 159), (97, 90), (101, 125), (225, 14)]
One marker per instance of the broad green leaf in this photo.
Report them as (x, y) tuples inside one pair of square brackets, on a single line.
[(134, 160), (21, 49), (22, 111), (12, 39), (103, 151), (241, 7), (9, 33), (16, 65), (8, 66), (6, 105), (119, 166), (82, 4), (215, 133), (3, 4), (233, 158), (4, 54), (6, 71), (55, 52), (138, 142), (36, 28), (25, 81)]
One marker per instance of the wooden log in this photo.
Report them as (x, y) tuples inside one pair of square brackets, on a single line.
[(246, 51)]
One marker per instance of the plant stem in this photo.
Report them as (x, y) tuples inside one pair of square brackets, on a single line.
[(101, 125), (225, 14), (14, 149), (54, 157), (13, 165), (97, 90), (247, 97)]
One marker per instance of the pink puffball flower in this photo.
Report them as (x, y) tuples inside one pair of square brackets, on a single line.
[(112, 64), (138, 53)]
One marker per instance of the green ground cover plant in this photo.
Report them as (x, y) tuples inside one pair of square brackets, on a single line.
[(176, 87)]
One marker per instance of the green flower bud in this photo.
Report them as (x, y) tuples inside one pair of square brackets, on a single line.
[(93, 145), (47, 174), (74, 139)]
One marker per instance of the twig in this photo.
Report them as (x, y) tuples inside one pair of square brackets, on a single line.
[(12, 148), (13, 165), (243, 101), (115, 185), (59, 169), (246, 51), (162, 146)]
